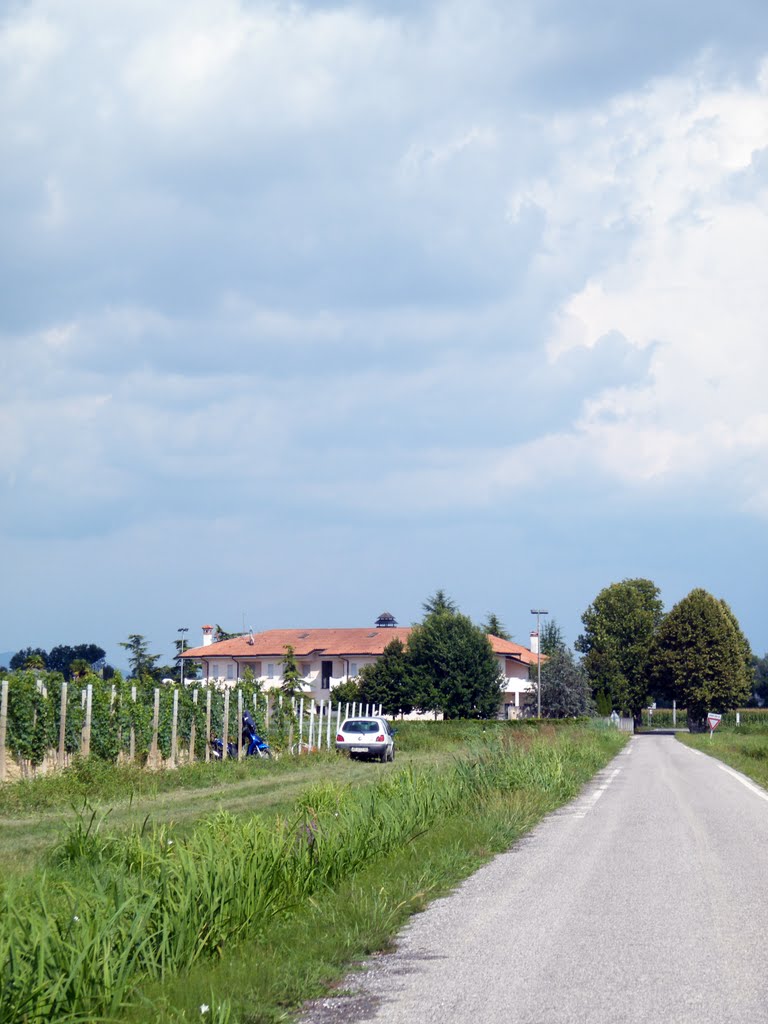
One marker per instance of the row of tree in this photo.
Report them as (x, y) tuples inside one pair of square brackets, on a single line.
[(74, 662), (695, 654), (69, 661)]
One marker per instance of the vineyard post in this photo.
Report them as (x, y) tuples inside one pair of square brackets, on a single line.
[(132, 738), (301, 721), (311, 736), (192, 736), (338, 716), (3, 726), (239, 725), (63, 723), (320, 727), (175, 728), (86, 748), (328, 725), (208, 723), (225, 737), (154, 750), (346, 710), (266, 713)]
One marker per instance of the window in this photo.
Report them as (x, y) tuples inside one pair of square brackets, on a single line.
[(270, 670), (306, 668), (230, 671), (325, 675), (215, 672), (353, 669)]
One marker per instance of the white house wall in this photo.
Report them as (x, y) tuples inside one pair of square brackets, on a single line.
[(229, 672), (515, 686)]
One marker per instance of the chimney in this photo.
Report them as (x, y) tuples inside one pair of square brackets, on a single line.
[(207, 635), (534, 642)]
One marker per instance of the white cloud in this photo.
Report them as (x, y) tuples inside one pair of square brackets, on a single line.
[(666, 163)]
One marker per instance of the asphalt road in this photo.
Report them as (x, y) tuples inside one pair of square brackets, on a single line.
[(644, 900)]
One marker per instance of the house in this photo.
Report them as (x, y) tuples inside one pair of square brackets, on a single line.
[(328, 657)]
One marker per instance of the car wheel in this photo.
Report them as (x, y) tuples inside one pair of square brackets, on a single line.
[(384, 755), (392, 753)]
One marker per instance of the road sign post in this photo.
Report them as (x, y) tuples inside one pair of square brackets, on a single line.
[(713, 721)]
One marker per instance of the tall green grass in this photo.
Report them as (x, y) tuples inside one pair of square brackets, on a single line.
[(114, 910)]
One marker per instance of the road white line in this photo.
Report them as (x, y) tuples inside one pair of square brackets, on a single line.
[(593, 797), (698, 753), (745, 782)]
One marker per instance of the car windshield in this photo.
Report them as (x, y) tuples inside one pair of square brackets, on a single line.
[(361, 726)]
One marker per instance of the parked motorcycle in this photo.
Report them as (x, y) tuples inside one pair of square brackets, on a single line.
[(253, 744)]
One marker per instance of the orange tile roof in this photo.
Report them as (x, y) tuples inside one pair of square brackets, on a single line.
[(333, 642)]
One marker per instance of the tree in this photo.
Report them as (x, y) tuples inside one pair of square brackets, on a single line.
[(347, 692), (619, 627), (292, 679), (552, 639), (389, 681), (141, 662), (699, 658), (760, 674), (20, 658), (439, 602), (455, 669), (221, 634), (495, 627), (565, 689), (62, 656), (79, 668)]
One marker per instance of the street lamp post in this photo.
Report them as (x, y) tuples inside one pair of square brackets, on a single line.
[(182, 630), (538, 612)]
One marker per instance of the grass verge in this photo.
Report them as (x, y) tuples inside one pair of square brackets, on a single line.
[(122, 920), (747, 751)]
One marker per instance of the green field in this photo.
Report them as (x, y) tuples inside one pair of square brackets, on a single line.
[(165, 892)]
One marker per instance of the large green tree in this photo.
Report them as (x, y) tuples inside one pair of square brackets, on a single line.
[(455, 669), (143, 665), (619, 627), (389, 681), (700, 657), (565, 689)]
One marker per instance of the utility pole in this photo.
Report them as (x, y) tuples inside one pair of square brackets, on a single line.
[(182, 630), (538, 612)]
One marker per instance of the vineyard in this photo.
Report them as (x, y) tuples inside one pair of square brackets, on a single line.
[(45, 721)]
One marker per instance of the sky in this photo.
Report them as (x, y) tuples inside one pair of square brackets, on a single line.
[(307, 310)]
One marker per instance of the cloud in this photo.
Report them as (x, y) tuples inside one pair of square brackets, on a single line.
[(688, 286), (369, 252)]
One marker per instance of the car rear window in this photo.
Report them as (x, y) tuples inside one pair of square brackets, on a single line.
[(361, 727)]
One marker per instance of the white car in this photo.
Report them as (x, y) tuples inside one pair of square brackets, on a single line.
[(367, 737)]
